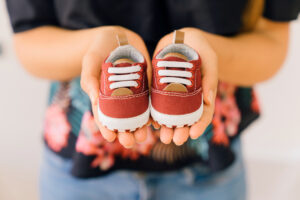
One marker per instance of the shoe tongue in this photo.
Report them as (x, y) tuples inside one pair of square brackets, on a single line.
[(123, 62), (175, 57)]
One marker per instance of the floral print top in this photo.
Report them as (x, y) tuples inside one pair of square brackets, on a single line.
[(70, 131)]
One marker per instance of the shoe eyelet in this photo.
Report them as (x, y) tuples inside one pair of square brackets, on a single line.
[(108, 88), (194, 66), (140, 76), (139, 84), (107, 80), (192, 85), (159, 83), (158, 76), (193, 74)]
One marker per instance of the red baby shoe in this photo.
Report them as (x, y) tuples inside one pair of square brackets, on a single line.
[(124, 95), (176, 94)]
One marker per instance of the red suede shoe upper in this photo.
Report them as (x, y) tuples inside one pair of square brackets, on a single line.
[(124, 106), (176, 103), (128, 105)]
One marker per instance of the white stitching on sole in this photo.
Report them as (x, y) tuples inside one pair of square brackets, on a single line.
[(123, 124), (176, 120)]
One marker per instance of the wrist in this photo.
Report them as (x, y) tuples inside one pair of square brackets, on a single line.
[(222, 47)]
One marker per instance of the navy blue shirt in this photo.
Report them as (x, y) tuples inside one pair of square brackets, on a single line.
[(150, 18)]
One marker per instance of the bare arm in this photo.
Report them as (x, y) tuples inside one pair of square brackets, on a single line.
[(247, 58), (55, 53), (253, 57), (59, 54), (244, 60), (51, 52)]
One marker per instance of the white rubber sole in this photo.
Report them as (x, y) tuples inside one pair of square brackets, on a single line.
[(124, 124), (176, 120)]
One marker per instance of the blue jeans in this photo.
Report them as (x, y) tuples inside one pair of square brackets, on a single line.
[(190, 183)]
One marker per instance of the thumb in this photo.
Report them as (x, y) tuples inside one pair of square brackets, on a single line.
[(90, 77), (93, 90)]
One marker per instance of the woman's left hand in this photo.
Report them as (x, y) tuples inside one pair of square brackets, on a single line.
[(195, 39)]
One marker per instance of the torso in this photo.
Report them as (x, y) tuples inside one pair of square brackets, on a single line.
[(152, 19)]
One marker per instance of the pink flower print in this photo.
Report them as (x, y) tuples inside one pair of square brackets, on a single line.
[(227, 115), (90, 129), (57, 128), (107, 162), (231, 115), (130, 153), (86, 147), (146, 147), (226, 89), (219, 134), (91, 142), (255, 103)]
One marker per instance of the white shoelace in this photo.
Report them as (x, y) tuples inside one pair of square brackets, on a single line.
[(172, 75), (125, 76)]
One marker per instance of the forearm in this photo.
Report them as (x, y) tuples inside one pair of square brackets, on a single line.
[(53, 53), (253, 57), (57, 54)]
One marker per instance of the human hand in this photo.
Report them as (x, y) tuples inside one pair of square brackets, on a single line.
[(195, 39), (99, 49)]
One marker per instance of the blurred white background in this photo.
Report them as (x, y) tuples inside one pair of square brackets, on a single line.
[(271, 145)]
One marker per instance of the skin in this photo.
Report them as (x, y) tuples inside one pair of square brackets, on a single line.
[(245, 59)]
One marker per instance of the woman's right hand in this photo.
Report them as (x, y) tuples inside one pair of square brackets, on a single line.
[(105, 42)]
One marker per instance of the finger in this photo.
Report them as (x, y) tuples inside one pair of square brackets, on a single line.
[(90, 76), (149, 122), (209, 77), (141, 134), (149, 131), (209, 63), (126, 139), (181, 135), (166, 134), (109, 135), (198, 128), (155, 124), (156, 133), (91, 88), (209, 85)]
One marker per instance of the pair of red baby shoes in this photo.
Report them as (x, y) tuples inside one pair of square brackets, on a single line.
[(176, 93)]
